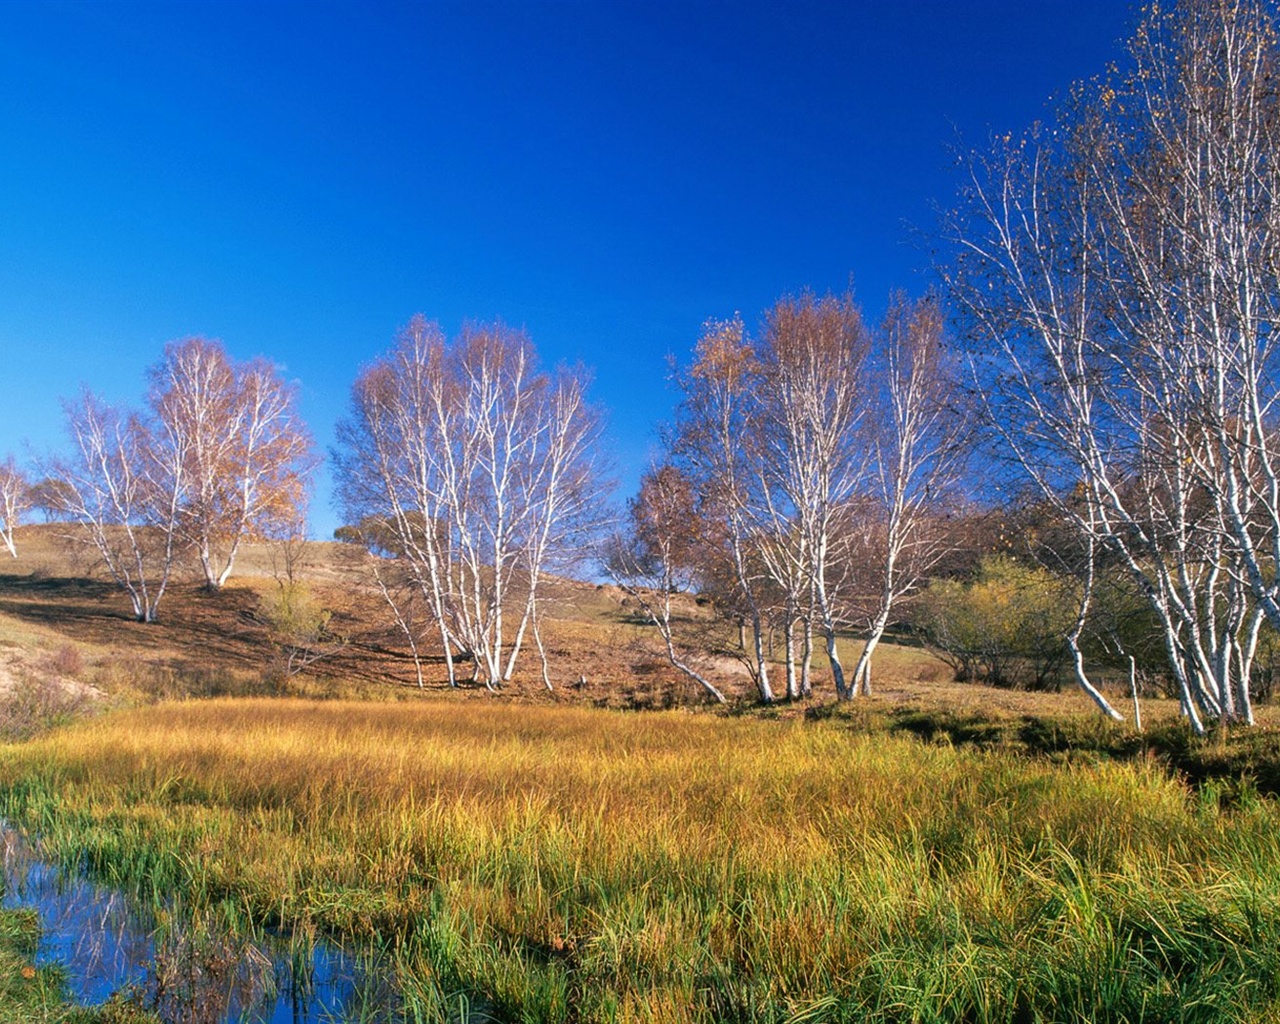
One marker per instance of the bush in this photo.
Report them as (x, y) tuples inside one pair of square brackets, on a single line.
[(300, 629), (1007, 627)]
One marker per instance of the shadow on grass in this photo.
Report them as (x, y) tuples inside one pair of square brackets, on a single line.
[(1236, 765)]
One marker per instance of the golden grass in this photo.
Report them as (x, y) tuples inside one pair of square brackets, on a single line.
[(573, 864)]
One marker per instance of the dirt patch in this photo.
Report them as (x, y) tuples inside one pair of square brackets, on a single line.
[(731, 668), (21, 669)]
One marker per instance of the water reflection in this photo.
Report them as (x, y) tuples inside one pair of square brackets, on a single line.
[(190, 971)]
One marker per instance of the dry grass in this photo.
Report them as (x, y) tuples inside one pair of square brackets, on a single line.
[(573, 864), (558, 862)]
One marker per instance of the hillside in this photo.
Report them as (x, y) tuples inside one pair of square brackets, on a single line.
[(66, 634)]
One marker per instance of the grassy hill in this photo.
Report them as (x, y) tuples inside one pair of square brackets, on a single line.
[(62, 621), (52, 600), (939, 851)]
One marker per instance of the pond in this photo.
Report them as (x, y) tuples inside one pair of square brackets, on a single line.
[(190, 970)]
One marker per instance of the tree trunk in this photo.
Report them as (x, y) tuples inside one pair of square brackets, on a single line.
[(862, 672), (762, 662), (789, 640), (806, 661)]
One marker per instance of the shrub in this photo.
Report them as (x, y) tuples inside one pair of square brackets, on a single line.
[(1007, 627)]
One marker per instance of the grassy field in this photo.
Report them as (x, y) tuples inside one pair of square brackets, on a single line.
[(940, 852), (561, 864)]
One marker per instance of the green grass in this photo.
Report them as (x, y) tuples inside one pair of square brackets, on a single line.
[(573, 865)]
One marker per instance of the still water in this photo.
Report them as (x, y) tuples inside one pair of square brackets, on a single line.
[(189, 971)]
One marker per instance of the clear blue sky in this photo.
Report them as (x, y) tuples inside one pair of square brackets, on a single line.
[(298, 179)]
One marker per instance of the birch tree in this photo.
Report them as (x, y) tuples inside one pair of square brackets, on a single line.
[(786, 439), (390, 468), (560, 487), (788, 593), (1119, 274), (660, 558), (15, 499), (917, 448), (812, 355), (248, 452), (716, 438), (483, 468), (124, 484)]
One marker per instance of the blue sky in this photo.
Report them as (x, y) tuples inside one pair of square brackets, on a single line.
[(299, 179)]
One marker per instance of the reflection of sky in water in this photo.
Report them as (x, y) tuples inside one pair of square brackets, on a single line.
[(105, 944)]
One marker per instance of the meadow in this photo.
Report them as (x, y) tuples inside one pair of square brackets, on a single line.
[(572, 864), (616, 850)]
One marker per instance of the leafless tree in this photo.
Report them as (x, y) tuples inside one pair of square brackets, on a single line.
[(125, 485), (559, 490), (716, 440), (917, 442), (1119, 271), (660, 558), (248, 453), (390, 469), (812, 460), (812, 356), (482, 468), (15, 499)]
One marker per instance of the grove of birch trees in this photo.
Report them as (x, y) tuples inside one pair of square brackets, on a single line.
[(811, 463), (217, 454), (1120, 281), (471, 472)]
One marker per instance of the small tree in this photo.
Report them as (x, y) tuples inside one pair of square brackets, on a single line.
[(299, 622), (299, 625), (51, 497), (15, 499), (659, 558)]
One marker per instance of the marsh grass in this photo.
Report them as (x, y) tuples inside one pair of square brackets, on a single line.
[(555, 864)]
